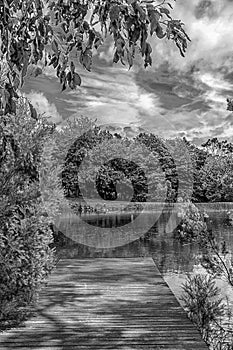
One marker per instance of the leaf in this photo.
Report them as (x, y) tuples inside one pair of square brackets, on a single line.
[(58, 70), (12, 106), (16, 82), (180, 48), (72, 67), (25, 67), (183, 31), (154, 17), (143, 40), (97, 43), (91, 39), (55, 64), (64, 62), (140, 10), (134, 35), (165, 10), (33, 111), (62, 77), (148, 59), (148, 48), (86, 59), (120, 43), (116, 57), (86, 26), (73, 80), (159, 32), (69, 77), (54, 46), (63, 86), (77, 79), (184, 45), (129, 58), (53, 60)]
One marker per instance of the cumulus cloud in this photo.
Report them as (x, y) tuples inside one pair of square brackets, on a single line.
[(44, 107), (209, 25)]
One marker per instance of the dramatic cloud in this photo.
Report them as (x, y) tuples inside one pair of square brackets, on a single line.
[(176, 97), (193, 90)]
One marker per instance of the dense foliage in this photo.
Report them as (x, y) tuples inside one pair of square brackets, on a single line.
[(177, 167), (115, 166), (192, 223), (64, 34), (26, 255), (213, 170)]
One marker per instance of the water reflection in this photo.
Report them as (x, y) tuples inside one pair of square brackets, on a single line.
[(169, 254), (109, 220), (173, 259)]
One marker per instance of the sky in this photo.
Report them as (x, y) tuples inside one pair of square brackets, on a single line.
[(175, 97)]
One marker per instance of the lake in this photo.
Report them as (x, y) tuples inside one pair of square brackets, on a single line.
[(173, 259)]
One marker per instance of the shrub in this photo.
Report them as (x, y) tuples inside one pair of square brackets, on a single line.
[(216, 257), (26, 256), (208, 311), (26, 259), (192, 223)]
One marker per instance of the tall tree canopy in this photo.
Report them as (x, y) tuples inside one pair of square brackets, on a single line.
[(64, 34)]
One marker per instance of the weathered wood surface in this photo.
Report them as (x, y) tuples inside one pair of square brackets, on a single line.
[(117, 304)]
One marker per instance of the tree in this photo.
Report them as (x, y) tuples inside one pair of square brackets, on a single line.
[(198, 158), (114, 166), (81, 144), (192, 224), (164, 162), (215, 147), (63, 34), (216, 178), (158, 146)]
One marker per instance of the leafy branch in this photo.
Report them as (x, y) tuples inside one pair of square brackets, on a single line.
[(39, 33)]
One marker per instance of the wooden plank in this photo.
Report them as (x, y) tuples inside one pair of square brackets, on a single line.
[(117, 304)]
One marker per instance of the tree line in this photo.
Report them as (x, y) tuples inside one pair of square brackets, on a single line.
[(155, 172)]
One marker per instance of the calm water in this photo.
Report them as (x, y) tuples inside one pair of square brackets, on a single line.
[(173, 259)]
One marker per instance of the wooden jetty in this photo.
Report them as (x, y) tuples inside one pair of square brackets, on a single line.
[(103, 304)]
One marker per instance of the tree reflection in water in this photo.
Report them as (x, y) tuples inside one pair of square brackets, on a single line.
[(169, 254)]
